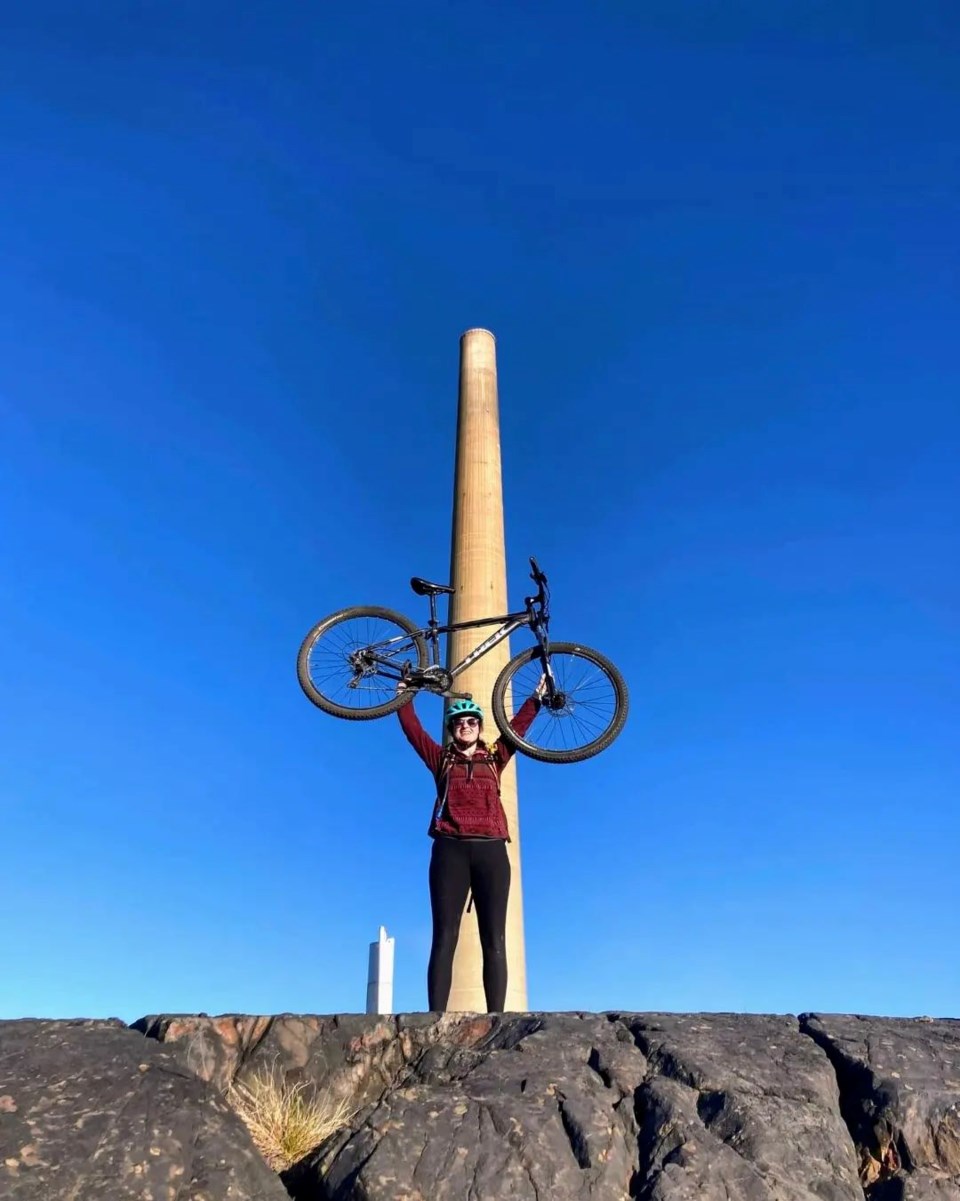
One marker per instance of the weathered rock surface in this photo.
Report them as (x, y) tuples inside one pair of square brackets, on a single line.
[(92, 1111), (665, 1107), (530, 1107), (455, 1106), (900, 1096), (739, 1105)]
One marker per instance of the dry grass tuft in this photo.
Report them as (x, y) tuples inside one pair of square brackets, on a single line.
[(287, 1120)]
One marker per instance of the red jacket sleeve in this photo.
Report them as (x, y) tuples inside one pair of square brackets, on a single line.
[(522, 721), (428, 750)]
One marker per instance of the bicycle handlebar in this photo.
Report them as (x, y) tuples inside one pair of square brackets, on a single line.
[(536, 574), (543, 593)]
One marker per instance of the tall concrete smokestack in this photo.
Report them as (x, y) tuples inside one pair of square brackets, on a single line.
[(478, 572)]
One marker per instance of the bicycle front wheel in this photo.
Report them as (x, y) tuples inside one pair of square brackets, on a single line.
[(587, 712), (350, 662)]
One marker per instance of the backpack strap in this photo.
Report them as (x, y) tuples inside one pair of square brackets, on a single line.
[(491, 762), (443, 783)]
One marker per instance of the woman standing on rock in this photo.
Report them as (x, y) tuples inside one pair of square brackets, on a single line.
[(469, 829)]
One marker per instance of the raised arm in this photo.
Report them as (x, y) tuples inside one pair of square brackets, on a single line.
[(522, 721), (429, 751)]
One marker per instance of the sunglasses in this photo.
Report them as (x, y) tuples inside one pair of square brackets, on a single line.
[(465, 721)]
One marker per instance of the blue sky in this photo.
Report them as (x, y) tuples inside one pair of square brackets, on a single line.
[(718, 245)]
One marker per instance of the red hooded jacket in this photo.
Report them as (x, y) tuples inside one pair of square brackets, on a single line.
[(468, 786)]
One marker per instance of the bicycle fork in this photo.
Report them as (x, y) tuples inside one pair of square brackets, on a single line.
[(552, 697)]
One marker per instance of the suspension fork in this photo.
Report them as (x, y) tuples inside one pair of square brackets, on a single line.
[(552, 692)]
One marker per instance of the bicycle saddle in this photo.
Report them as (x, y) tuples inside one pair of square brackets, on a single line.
[(425, 588)]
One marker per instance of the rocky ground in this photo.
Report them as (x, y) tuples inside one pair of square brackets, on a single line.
[(545, 1107)]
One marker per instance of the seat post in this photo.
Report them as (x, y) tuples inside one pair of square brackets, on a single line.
[(433, 608)]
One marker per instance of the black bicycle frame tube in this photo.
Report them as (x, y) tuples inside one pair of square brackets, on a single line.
[(433, 631), (521, 619), (510, 623)]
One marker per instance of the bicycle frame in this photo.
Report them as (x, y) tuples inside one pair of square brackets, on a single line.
[(509, 623), (432, 632)]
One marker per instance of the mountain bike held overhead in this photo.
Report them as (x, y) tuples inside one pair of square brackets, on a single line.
[(351, 663), (366, 662)]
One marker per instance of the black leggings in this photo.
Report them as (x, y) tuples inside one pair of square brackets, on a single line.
[(457, 866)]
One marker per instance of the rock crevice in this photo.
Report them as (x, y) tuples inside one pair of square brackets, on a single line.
[(899, 1094), (530, 1107)]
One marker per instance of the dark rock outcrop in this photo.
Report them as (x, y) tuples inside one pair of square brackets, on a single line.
[(740, 1105), (659, 1107), (899, 1085), (92, 1111), (469, 1105), (530, 1107)]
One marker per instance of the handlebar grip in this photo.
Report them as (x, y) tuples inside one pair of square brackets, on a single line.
[(536, 575)]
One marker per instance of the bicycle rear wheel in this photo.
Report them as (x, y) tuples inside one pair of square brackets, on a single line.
[(350, 662), (586, 714)]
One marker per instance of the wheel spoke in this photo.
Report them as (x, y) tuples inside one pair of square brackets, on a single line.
[(592, 708), (350, 663)]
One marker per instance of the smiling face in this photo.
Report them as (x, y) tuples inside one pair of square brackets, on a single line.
[(465, 731)]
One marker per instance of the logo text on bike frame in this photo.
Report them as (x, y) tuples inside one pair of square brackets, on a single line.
[(511, 623)]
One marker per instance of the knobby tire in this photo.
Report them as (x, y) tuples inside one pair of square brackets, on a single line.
[(314, 688), (594, 741)]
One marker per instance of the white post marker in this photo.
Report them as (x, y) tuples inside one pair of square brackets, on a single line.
[(380, 975)]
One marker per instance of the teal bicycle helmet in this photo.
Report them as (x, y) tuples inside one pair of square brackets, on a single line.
[(464, 709)]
